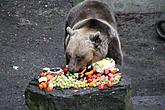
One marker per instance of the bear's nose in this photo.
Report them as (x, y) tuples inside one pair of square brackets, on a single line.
[(71, 69)]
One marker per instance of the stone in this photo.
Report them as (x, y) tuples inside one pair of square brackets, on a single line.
[(117, 98)]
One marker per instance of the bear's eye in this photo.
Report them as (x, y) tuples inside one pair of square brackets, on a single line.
[(68, 55), (79, 58)]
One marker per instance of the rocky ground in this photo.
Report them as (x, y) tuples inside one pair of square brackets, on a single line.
[(31, 37)]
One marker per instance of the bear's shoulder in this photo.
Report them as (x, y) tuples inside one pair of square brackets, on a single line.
[(97, 24)]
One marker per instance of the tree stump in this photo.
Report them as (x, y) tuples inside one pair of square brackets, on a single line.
[(117, 98)]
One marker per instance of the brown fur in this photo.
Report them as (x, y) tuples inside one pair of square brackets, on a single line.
[(91, 35)]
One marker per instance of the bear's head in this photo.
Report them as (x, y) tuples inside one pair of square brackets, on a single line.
[(82, 48)]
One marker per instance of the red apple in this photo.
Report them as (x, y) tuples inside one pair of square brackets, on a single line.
[(65, 70), (110, 85), (101, 86)]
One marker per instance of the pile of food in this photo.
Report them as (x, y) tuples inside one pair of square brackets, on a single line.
[(100, 74)]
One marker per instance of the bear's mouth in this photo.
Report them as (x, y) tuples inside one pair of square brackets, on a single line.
[(89, 63), (76, 68)]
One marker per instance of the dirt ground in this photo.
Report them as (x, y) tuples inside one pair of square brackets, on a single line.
[(144, 53), (31, 37)]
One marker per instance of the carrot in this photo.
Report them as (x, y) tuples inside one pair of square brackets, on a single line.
[(49, 88), (94, 70), (43, 85), (83, 71), (49, 77)]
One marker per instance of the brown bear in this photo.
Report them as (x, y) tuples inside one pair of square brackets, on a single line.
[(91, 35)]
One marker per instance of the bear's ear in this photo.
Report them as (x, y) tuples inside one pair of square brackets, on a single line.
[(95, 38), (69, 31)]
